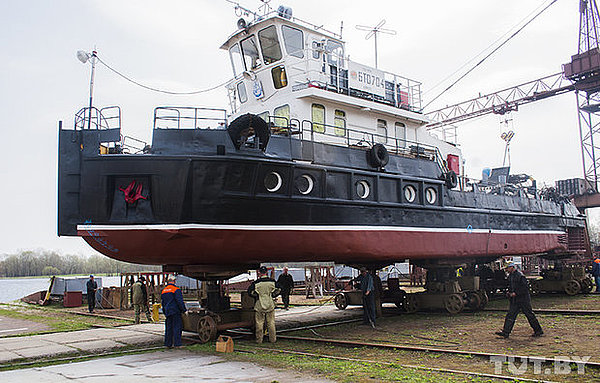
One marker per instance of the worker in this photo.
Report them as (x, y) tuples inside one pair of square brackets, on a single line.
[(140, 299), (172, 306), (368, 296), (263, 290), (520, 300), (286, 283), (92, 287), (596, 272)]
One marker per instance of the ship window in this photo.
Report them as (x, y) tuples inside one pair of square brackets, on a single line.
[(305, 184), (430, 195), (281, 116), (250, 52), (241, 87), (318, 118), (316, 53), (381, 132), (339, 122), (273, 182), (236, 59), (400, 135), (264, 116), (294, 41), (335, 53), (363, 189), (279, 76), (410, 193), (269, 44)]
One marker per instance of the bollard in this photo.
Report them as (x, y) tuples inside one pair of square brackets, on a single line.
[(155, 308), (224, 344)]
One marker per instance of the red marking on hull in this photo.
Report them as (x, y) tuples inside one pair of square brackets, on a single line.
[(199, 246)]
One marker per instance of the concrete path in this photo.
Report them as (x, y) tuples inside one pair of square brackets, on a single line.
[(13, 326), (108, 339), (167, 366), (94, 340)]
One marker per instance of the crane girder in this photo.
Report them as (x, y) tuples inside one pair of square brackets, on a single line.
[(502, 101)]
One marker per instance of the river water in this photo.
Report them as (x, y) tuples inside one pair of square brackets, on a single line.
[(16, 288)]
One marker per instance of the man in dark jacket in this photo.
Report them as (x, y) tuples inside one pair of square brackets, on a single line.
[(140, 299), (520, 300), (172, 306), (596, 272), (368, 296), (92, 287), (286, 283)]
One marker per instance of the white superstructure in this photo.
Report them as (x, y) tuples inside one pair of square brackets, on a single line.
[(297, 75)]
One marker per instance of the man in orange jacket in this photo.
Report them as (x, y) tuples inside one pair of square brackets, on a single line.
[(172, 306)]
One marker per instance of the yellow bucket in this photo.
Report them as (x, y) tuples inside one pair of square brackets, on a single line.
[(155, 308)]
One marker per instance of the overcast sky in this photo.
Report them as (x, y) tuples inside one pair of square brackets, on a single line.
[(175, 44)]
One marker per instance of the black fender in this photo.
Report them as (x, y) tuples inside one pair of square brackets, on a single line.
[(451, 179), (246, 126), (378, 156)]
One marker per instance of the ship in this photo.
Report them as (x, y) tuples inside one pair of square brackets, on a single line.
[(317, 159)]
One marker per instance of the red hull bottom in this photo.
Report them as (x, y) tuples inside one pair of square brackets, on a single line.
[(237, 245)]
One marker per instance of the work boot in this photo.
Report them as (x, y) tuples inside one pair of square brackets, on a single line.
[(537, 334), (501, 334)]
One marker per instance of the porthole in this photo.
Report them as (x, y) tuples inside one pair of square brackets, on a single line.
[(305, 184), (410, 193), (273, 182), (430, 195), (363, 189)]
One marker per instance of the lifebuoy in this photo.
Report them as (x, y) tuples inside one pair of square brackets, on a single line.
[(451, 179), (378, 156), (246, 126)]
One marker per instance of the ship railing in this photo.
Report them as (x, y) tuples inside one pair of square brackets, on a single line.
[(93, 118), (341, 135), (336, 73), (183, 117)]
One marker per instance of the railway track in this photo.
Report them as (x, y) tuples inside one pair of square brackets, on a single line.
[(394, 364)]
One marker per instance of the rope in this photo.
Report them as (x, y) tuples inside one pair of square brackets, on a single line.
[(156, 89)]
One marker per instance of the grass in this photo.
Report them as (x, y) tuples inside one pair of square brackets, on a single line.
[(56, 320), (359, 370)]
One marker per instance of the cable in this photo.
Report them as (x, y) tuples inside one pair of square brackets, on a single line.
[(482, 51), (156, 89), (491, 53)]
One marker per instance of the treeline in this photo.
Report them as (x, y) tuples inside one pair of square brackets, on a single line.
[(36, 263)]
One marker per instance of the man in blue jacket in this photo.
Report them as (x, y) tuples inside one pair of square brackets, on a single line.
[(172, 306), (368, 299)]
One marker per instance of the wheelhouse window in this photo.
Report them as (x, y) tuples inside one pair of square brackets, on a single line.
[(293, 39), (237, 62), (264, 116), (269, 44), (400, 135), (279, 76), (381, 132), (335, 53), (250, 53), (242, 95), (281, 116), (339, 123), (318, 118)]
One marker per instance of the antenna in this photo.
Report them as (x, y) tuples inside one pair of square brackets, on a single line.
[(373, 31)]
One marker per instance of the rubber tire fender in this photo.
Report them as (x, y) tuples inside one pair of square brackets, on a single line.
[(451, 179), (247, 125), (378, 156)]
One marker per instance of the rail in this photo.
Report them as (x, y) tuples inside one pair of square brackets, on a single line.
[(344, 136), (183, 117), (94, 118)]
